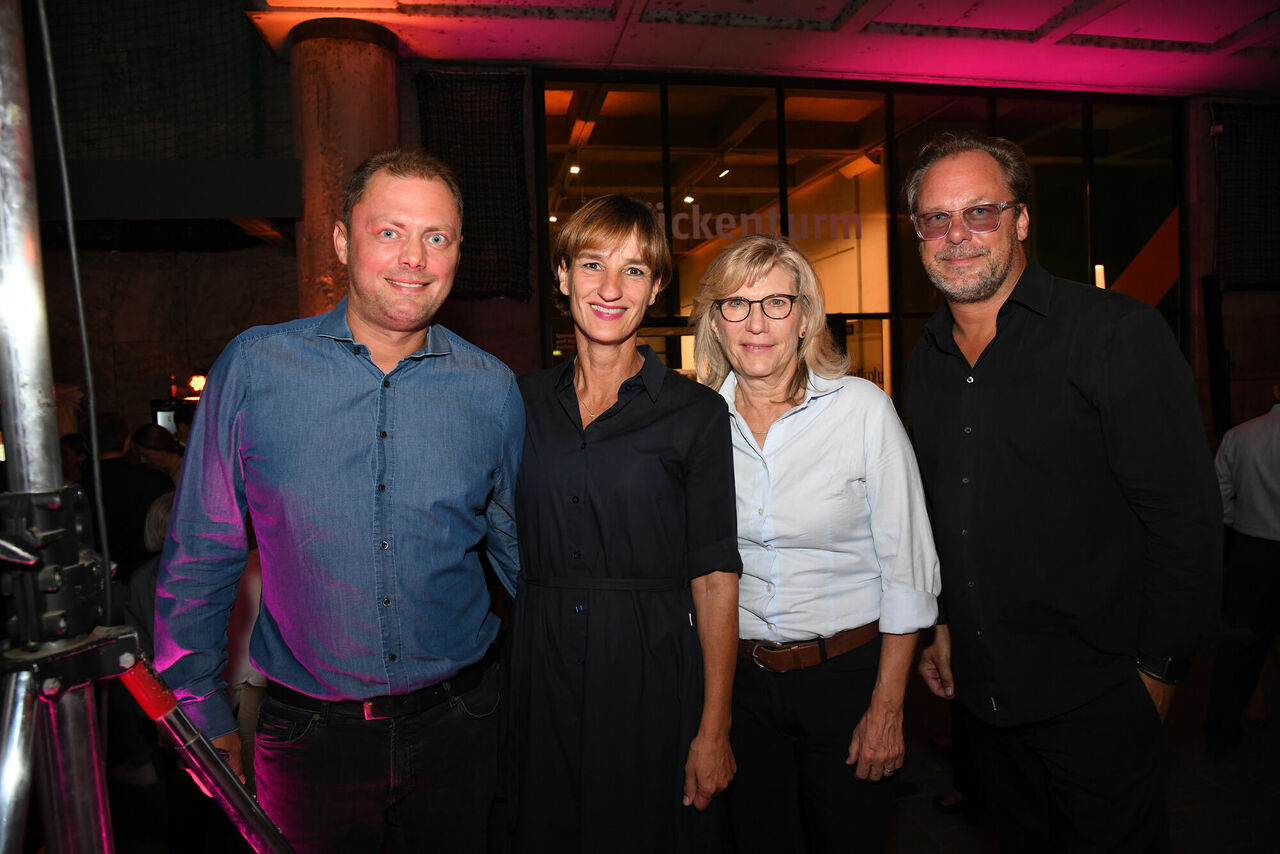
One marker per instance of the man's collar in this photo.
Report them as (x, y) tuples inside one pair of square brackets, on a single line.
[(333, 324), (1033, 291)]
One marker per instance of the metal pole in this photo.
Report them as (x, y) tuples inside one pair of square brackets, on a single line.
[(73, 789), (208, 769), (17, 734), (27, 416), (72, 782)]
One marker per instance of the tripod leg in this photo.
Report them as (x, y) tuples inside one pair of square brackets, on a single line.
[(210, 772), (17, 735), (73, 786)]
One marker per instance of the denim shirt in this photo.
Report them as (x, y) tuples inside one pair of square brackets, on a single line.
[(370, 496)]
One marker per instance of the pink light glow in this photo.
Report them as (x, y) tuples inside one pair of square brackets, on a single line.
[(965, 42)]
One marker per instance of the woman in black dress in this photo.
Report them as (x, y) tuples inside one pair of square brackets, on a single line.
[(625, 627)]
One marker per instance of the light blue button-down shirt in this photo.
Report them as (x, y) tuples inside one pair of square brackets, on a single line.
[(370, 495), (832, 524)]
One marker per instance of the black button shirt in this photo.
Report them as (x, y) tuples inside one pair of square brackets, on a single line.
[(1072, 496)]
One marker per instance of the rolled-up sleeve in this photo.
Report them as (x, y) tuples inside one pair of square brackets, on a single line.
[(910, 579), (712, 519)]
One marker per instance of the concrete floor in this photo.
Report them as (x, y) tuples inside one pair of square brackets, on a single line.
[(1216, 806)]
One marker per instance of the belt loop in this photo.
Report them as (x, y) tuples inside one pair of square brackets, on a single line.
[(822, 647)]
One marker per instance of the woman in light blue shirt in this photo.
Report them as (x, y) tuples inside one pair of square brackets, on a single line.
[(839, 569)]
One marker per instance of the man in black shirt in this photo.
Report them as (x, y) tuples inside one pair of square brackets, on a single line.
[(1074, 509)]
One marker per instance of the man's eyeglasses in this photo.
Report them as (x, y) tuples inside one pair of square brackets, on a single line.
[(736, 309), (979, 219)]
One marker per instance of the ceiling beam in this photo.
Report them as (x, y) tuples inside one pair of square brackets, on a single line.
[(1072, 17), (1249, 35)]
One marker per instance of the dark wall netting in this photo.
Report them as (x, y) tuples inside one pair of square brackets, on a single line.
[(158, 80), (1248, 194), (475, 120)]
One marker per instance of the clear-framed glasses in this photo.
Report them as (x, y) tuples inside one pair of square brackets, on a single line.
[(736, 309), (979, 219)]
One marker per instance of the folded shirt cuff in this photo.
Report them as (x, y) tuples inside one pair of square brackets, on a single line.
[(906, 611), (211, 715)]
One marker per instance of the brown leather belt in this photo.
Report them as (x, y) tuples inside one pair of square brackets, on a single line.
[(781, 657)]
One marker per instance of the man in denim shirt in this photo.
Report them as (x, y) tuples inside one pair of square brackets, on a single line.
[(374, 455)]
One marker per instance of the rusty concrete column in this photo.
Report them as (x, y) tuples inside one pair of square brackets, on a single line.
[(346, 106)]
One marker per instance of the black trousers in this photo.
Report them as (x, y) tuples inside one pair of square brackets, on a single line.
[(1251, 606), (1089, 780), (790, 736)]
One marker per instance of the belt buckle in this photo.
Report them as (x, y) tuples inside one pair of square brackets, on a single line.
[(770, 645), (370, 713)]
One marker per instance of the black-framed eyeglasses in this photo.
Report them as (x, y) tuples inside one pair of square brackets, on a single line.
[(737, 309), (979, 219)]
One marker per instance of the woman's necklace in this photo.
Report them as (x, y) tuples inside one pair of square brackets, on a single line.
[(743, 410), (582, 397)]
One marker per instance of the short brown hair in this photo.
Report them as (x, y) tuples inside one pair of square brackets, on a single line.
[(607, 221), (153, 437), (1011, 158), (403, 163), (747, 261)]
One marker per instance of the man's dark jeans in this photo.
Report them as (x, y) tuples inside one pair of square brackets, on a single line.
[(338, 783)]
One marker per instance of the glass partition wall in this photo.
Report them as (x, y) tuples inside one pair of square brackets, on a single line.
[(824, 164)]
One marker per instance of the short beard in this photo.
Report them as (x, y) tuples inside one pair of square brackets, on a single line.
[(986, 286)]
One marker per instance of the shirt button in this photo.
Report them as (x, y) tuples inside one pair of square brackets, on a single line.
[(382, 434), (759, 511), (387, 383), (575, 499), (769, 626), (970, 583), (964, 480), (384, 545), (576, 555), (968, 429), (382, 487), (964, 532), (392, 657), (386, 600), (968, 379), (356, 350), (583, 446), (768, 588)]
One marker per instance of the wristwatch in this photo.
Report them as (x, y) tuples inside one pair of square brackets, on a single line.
[(1171, 671)]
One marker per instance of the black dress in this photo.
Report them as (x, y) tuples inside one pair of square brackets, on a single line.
[(605, 665)]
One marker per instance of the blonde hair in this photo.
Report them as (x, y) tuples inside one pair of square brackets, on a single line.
[(157, 523), (747, 261)]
